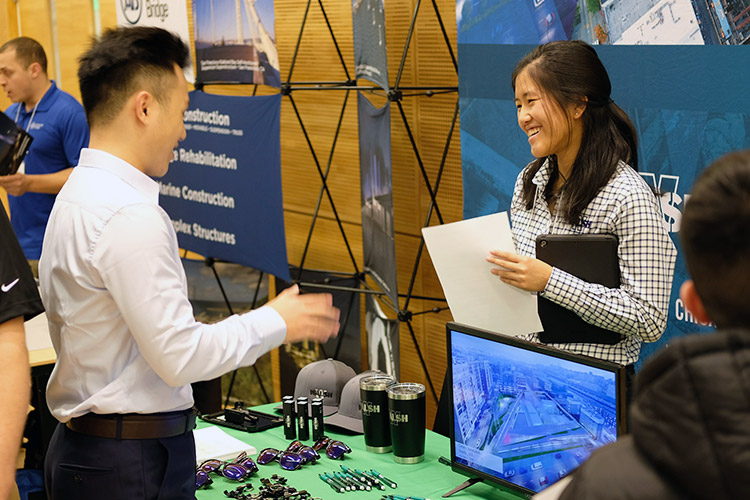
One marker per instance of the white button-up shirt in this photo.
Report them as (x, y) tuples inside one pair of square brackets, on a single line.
[(627, 208), (116, 298)]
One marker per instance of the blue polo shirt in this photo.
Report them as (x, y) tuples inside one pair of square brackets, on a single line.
[(60, 131)]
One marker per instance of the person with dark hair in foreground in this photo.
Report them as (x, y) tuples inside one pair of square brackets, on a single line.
[(690, 421), (584, 180), (127, 343)]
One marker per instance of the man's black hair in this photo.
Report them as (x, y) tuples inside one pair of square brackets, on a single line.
[(124, 59)]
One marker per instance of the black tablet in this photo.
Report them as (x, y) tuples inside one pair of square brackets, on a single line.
[(14, 143), (590, 257)]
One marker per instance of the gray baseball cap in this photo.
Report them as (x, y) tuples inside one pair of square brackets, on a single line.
[(323, 379), (349, 416)]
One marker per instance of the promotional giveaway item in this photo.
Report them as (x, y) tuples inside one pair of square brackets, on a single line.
[(290, 417), (406, 412), (374, 402), (303, 419), (316, 415), (334, 448), (324, 379), (349, 416)]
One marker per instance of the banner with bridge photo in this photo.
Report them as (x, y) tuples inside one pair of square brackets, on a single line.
[(235, 42), (223, 188), (678, 68), (378, 234), (370, 56)]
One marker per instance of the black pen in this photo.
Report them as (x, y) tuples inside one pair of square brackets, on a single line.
[(387, 481), (362, 482), (344, 480), (375, 481), (338, 481), (354, 473), (360, 485), (335, 481), (368, 484), (331, 484)]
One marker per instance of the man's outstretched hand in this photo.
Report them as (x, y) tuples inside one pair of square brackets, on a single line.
[(307, 317)]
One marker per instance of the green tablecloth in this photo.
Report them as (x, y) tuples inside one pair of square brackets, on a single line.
[(428, 479)]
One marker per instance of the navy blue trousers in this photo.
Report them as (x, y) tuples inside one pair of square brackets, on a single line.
[(81, 467)]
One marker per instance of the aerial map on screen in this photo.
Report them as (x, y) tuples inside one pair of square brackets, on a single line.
[(524, 416)]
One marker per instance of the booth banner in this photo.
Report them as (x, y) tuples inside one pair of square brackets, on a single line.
[(235, 42), (378, 241), (370, 57), (382, 339), (223, 188), (675, 69), (168, 14)]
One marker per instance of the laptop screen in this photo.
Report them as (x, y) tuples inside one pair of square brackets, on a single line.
[(525, 415)]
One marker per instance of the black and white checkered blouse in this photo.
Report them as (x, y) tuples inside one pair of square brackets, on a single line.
[(627, 208)]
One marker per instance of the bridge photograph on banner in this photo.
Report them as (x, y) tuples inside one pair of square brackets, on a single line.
[(235, 42), (678, 69)]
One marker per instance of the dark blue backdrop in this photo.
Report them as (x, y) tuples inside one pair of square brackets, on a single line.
[(223, 188)]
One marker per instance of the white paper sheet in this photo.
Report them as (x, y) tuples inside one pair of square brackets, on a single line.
[(475, 296), (212, 442)]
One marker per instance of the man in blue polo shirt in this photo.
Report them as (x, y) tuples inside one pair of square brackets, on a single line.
[(58, 125)]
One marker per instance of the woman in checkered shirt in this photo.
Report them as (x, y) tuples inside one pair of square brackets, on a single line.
[(584, 180)]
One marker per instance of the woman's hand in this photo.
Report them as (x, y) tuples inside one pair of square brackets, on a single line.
[(522, 272)]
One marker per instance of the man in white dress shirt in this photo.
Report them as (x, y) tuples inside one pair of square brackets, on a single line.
[(127, 343)]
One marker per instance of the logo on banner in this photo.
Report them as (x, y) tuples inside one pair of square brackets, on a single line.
[(670, 199), (132, 10)]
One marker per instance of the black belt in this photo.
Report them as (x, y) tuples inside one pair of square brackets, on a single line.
[(134, 425)]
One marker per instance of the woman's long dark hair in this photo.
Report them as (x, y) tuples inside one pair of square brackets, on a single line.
[(570, 72)]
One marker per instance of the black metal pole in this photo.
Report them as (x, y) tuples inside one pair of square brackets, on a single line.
[(210, 263), (421, 360), (325, 184), (419, 160), (333, 37), (299, 40), (445, 35), (429, 211), (406, 45)]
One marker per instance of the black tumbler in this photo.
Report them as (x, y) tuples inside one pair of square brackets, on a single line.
[(374, 402), (290, 418), (406, 413)]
